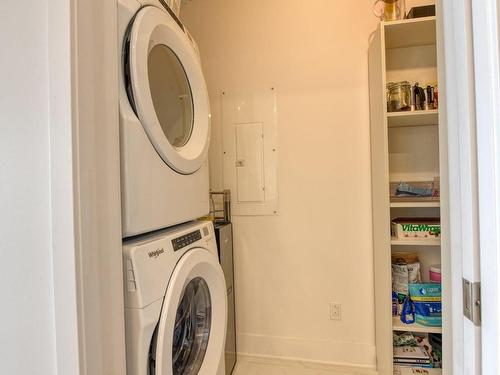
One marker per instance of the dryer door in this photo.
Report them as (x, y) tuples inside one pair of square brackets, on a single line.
[(168, 89), (192, 327)]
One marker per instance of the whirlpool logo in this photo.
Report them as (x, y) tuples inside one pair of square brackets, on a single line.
[(156, 253)]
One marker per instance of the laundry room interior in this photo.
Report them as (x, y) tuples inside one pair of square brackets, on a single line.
[(313, 248), (236, 187)]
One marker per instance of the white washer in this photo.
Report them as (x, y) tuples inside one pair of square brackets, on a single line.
[(175, 303), (164, 119)]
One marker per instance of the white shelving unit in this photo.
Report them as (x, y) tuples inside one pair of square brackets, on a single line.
[(399, 326), (426, 242), (424, 204), (429, 371), (412, 118), (405, 147)]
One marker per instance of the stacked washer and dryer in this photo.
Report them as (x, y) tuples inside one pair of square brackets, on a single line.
[(175, 293)]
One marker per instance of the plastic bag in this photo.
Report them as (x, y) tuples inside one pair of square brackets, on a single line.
[(408, 312)]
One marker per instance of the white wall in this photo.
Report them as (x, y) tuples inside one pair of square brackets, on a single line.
[(319, 249), (27, 338)]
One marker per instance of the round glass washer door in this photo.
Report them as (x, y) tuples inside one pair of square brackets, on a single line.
[(192, 328), (190, 334), (169, 90)]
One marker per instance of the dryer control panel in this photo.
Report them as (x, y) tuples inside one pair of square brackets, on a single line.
[(186, 240)]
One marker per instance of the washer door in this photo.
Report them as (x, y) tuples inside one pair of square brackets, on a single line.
[(168, 90), (192, 327)]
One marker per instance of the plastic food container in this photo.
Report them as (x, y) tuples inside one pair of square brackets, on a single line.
[(435, 273)]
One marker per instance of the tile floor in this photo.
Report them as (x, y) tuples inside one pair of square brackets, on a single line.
[(264, 366)]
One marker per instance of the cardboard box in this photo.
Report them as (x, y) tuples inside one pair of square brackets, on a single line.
[(416, 228), (422, 11)]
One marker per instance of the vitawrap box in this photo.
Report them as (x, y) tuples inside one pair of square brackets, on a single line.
[(416, 228)]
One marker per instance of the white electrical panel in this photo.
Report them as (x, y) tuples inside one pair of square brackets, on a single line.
[(250, 152), (249, 163)]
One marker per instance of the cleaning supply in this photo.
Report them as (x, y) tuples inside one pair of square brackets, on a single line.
[(400, 280), (405, 270), (395, 304), (426, 299), (404, 339), (435, 273), (408, 312), (437, 349), (404, 189)]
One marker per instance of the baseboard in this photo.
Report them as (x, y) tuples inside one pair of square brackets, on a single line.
[(244, 358), (321, 352)]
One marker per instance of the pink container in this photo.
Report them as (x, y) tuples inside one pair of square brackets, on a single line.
[(435, 273)]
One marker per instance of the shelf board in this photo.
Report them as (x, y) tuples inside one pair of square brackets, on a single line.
[(398, 325), (412, 118), (410, 33), (422, 204), (429, 242), (399, 370)]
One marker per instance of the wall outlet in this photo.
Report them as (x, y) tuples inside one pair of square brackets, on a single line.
[(335, 311)]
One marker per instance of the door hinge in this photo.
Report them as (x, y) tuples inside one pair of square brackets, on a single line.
[(472, 301)]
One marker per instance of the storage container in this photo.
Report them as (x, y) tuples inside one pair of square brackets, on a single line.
[(435, 273), (398, 96)]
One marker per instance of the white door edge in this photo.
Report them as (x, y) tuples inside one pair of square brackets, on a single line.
[(459, 212), (485, 18), (471, 35)]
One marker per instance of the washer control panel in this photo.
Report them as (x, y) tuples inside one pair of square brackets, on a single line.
[(186, 240)]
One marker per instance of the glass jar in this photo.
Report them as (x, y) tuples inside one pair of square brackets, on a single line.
[(389, 10), (398, 96)]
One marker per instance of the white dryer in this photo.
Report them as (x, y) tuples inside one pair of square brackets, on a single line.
[(164, 119), (175, 303)]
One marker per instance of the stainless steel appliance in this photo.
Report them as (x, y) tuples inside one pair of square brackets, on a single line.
[(224, 235)]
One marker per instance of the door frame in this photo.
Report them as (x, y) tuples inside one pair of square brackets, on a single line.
[(470, 151), (85, 187), (458, 166)]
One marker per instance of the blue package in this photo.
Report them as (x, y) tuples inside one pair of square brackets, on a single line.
[(408, 313), (428, 313), (427, 303), (395, 304)]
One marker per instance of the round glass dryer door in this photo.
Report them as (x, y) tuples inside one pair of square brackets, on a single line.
[(171, 94), (189, 339), (168, 89)]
